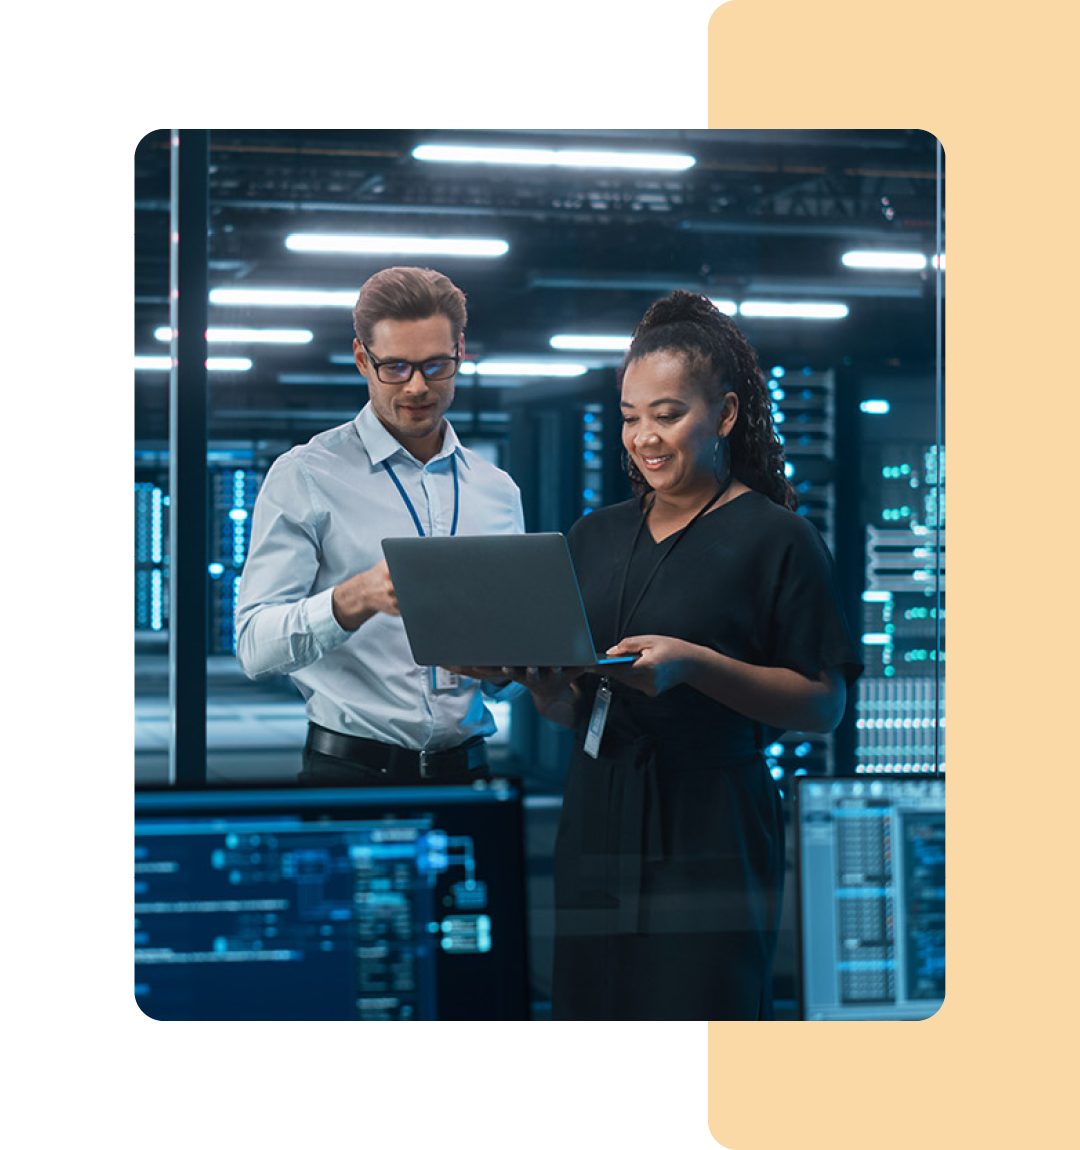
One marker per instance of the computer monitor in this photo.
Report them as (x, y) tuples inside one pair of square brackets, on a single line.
[(288, 902), (870, 866)]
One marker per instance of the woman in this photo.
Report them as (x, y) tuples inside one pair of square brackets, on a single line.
[(669, 860)]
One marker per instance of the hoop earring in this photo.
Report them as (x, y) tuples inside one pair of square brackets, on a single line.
[(722, 473)]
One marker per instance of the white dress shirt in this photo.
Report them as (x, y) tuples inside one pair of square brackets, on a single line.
[(321, 514)]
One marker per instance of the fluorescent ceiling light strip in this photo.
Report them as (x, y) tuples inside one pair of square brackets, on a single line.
[(590, 342), (228, 363), (214, 363), (245, 335), (508, 367), (759, 309), (282, 297), (553, 157), (727, 306), (885, 261), (397, 245)]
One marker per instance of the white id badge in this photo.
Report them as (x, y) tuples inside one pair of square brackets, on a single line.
[(597, 720), (445, 680)]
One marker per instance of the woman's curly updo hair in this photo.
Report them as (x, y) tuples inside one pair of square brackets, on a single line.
[(719, 359)]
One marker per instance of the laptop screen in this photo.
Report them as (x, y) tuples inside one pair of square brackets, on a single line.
[(340, 903), (871, 897), (490, 601)]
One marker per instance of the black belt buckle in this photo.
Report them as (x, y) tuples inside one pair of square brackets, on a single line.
[(455, 761), (428, 769)]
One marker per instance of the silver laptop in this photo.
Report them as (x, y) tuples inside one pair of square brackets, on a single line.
[(491, 601)]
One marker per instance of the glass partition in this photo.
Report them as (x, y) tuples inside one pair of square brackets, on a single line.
[(151, 470)]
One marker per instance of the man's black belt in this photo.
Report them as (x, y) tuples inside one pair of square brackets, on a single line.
[(400, 764)]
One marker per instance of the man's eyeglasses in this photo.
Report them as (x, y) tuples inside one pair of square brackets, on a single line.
[(401, 370)]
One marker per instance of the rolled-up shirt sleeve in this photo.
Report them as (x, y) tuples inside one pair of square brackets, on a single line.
[(282, 624)]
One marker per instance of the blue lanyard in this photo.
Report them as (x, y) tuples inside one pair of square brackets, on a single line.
[(409, 502)]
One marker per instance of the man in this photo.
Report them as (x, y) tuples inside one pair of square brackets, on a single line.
[(316, 600)]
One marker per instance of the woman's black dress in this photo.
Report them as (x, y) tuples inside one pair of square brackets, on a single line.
[(669, 860)]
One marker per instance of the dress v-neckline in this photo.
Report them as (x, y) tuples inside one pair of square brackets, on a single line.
[(679, 530), (654, 542)]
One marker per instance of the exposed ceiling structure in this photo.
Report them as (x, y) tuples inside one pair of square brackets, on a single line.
[(759, 216)]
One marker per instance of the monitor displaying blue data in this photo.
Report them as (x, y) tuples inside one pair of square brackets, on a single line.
[(871, 897), (290, 903)]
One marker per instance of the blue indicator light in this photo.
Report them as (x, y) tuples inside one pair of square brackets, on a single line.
[(776, 750), (777, 373), (588, 417)]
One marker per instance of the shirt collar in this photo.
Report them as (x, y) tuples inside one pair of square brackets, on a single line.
[(381, 445)]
